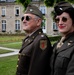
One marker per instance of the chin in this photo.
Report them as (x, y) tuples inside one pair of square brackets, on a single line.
[(62, 30)]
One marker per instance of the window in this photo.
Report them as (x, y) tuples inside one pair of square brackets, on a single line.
[(3, 11), (3, 25), (55, 28), (16, 11), (43, 9), (17, 25), (43, 25)]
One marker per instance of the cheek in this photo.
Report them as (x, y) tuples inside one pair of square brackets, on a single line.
[(69, 24), (33, 24), (30, 26)]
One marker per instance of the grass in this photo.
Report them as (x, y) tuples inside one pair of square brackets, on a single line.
[(8, 65), (15, 45), (11, 41), (2, 51)]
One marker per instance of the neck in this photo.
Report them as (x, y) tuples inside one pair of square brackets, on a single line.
[(65, 34), (31, 32)]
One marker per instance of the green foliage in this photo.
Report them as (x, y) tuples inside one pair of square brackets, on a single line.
[(72, 1), (54, 38), (49, 2), (43, 23), (11, 41), (24, 3), (56, 1)]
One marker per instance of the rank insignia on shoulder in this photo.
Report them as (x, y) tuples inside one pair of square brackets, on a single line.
[(42, 35), (43, 44)]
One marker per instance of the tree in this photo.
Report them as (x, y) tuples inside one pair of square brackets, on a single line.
[(51, 3), (23, 2), (48, 3), (26, 2)]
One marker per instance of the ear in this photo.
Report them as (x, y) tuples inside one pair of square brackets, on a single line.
[(39, 22)]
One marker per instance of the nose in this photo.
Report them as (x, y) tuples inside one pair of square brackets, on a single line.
[(24, 20), (60, 21)]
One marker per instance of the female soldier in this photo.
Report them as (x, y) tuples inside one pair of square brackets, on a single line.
[(62, 60)]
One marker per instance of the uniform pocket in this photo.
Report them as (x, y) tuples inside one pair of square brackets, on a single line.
[(62, 61)]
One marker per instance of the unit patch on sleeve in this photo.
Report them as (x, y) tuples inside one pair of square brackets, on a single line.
[(43, 44)]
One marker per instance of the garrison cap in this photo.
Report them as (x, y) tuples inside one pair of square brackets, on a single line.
[(60, 7), (34, 10)]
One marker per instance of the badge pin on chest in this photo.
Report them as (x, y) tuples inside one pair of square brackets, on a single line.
[(69, 44)]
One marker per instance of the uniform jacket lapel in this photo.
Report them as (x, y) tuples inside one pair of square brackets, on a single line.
[(65, 46), (68, 42), (30, 39), (28, 42)]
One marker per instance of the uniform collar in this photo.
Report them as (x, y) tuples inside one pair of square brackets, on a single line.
[(68, 42), (35, 33)]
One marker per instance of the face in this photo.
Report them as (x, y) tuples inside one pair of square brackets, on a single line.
[(30, 22), (64, 23)]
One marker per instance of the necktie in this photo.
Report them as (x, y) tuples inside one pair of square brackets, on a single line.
[(61, 42)]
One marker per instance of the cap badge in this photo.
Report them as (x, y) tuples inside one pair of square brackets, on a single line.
[(69, 44), (31, 9), (60, 8)]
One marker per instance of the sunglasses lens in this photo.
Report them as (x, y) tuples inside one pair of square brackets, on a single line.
[(64, 19), (22, 18), (28, 18)]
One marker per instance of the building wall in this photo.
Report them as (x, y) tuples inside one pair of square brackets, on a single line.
[(10, 18)]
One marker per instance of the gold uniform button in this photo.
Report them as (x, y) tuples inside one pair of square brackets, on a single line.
[(29, 41), (17, 66), (18, 59), (33, 37), (69, 44), (70, 41), (23, 54), (39, 32), (19, 54)]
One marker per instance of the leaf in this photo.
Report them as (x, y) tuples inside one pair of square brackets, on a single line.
[(49, 3), (24, 3)]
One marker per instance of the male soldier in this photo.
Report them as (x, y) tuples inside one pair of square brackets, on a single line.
[(36, 49)]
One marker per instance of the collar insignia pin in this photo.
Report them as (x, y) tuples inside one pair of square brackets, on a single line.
[(69, 44)]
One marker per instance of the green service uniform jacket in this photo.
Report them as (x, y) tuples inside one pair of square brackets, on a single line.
[(34, 55), (62, 60)]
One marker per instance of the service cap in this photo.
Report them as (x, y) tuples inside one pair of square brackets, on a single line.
[(61, 7), (34, 10)]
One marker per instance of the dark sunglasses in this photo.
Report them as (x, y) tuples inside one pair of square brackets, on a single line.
[(27, 18), (64, 19)]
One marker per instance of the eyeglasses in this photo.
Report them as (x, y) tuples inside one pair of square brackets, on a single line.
[(64, 19), (27, 18)]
